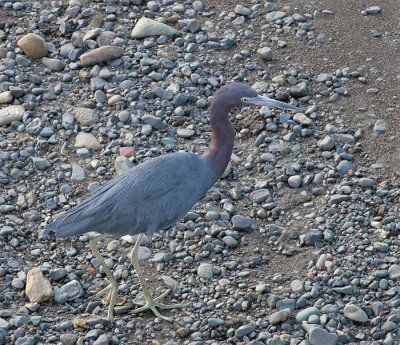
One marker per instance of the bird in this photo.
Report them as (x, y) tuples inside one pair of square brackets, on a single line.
[(157, 193)]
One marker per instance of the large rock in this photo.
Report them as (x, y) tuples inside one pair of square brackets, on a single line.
[(100, 55), (38, 288), (146, 27), (87, 140), (10, 114), (34, 46), (85, 116)]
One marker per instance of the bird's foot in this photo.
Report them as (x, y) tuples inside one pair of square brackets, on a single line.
[(153, 304)]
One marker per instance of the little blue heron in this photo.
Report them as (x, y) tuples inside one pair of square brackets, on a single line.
[(155, 194)]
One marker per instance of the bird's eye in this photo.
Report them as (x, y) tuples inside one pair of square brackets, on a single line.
[(245, 99)]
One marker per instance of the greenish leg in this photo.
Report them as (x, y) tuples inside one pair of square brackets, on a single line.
[(151, 303), (112, 295)]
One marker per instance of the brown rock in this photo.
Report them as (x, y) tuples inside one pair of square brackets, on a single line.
[(34, 46), (38, 288), (85, 116), (100, 55)]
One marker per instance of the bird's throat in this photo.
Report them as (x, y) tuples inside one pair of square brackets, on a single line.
[(222, 137)]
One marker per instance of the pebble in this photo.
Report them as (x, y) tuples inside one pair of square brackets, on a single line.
[(100, 55), (54, 64), (373, 10), (380, 126), (241, 222), (146, 27), (394, 272), (10, 114), (319, 336), (6, 97), (205, 271), (295, 181), (355, 313), (244, 330), (302, 119), (33, 45), (87, 140), (326, 144), (85, 116), (38, 288), (304, 314), (265, 53), (279, 316), (185, 133)]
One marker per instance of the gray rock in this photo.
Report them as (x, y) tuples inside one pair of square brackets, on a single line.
[(72, 290), (241, 222), (344, 167), (69, 338), (87, 140), (299, 90), (244, 330), (77, 174), (275, 15), (214, 322), (11, 113), (146, 27), (302, 119), (41, 163), (265, 53), (355, 313), (53, 64), (304, 314), (122, 164), (260, 195), (6, 97), (205, 271), (295, 181), (326, 144), (243, 11), (85, 116), (230, 242), (319, 336), (338, 198), (373, 10), (366, 182), (185, 133), (380, 126), (394, 272), (279, 316)]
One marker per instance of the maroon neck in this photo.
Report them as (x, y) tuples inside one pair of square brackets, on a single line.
[(222, 136)]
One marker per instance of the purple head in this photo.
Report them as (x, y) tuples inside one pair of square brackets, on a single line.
[(242, 95)]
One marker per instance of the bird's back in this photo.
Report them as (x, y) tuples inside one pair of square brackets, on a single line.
[(146, 198)]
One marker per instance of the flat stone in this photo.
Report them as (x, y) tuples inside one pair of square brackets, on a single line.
[(38, 288), (297, 285), (242, 10), (338, 198), (87, 140), (122, 164), (11, 113), (241, 222), (53, 64), (77, 174), (373, 10), (33, 45), (85, 116), (366, 182), (295, 181), (100, 55), (344, 167), (279, 316), (244, 330), (185, 133), (41, 163), (146, 27), (4, 324), (69, 338), (260, 195), (355, 313), (380, 126), (319, 336), (275, 15)]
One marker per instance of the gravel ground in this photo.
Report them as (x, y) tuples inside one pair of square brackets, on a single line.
[(298, 243)]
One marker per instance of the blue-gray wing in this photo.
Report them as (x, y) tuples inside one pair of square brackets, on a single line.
[(146, 198)]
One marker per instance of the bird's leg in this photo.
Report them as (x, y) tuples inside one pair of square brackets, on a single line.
[(150, 303), (112, 295)]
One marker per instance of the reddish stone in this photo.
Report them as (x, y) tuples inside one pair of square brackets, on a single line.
[(126, 151)]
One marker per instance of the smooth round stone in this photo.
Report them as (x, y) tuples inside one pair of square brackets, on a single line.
[(33, 45), (355, 313), (344, 167), (279, 316), (297, 285), (185, 133), (366, 182), (244, 330), (394, 272), (205, 271), (373, 10), (230, 241), (265, 53), (295, 181), (241, 222), (303, 315)]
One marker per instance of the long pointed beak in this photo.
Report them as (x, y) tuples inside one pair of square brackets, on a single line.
[(261, 100)]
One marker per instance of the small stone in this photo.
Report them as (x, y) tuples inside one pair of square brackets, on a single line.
[(10, 114), (205, 271), (260, 195), (275, 15), (87, 140), (380, 126), (394, 272), (6, 97), (302, 119), (77, 173), (355, 313), (122, 164), (241, 222), (299, 90), (185, 133), (373, 10), (126, 151), (41, 163), (230, 242), (38, 288), (265, 53), (366, 182), (85, 116), (33, 45), (297, 285), (100, 55), (244, 330), (338, 198), (304, 314), (344, 167), (72, 290), (69, 338), (326, 144), (242, 10), (295, 181), (319, 336), (279, 316), (53, 64), (146, 27)]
